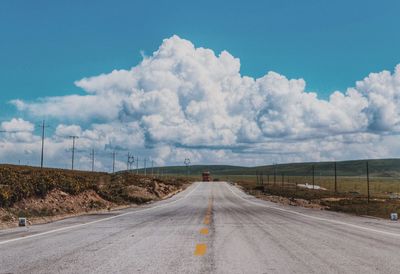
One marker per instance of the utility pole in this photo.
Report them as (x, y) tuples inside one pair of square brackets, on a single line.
[(113, 166), (145, 160), (137, 165), (256, 177), (313, 174), (131, 160), (187, 163), (92, 155), (274, 174), (41, 157), (73, 149), (152, 168), (335, 179)]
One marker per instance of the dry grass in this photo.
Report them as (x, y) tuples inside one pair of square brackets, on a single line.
[(34, 192), (350, 198), (379, 186)]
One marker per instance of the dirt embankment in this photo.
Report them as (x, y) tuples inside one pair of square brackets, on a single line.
[(50, 194), (283, 200)]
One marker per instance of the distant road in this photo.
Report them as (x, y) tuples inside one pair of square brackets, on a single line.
[(208, 228)]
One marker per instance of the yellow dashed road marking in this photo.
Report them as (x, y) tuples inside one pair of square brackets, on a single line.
[(200, 249), (207, 218)]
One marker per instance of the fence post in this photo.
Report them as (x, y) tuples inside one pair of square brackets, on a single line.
[(257, 179), (313, 173), (262, 179), (335, 180)]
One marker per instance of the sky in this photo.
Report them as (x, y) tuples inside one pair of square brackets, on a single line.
[(235, 82)]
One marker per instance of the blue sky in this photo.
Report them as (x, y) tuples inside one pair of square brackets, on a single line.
[(185, 102), (47, 45)]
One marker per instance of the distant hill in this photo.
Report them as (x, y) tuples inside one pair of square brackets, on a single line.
[(377, 167)]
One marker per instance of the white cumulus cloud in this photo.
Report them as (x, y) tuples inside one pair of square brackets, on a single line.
[(188, 100)]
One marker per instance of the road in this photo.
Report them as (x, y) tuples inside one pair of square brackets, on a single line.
[(208, 228)]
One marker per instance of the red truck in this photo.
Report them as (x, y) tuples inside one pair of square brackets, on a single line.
[(206, 176)]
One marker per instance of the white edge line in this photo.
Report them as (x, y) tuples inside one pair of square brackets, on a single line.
[(98, 221), (317, 218)]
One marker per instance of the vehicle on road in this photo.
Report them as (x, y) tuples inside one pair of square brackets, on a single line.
[(206, 176)]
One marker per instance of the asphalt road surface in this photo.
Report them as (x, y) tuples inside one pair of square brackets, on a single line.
[(208, 228)]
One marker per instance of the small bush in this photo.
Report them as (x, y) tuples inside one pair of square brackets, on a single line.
[(7, 218)]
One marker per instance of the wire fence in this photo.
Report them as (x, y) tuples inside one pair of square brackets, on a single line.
[(357, 187), (360, 179)]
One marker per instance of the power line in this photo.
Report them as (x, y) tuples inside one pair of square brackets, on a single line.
[(73, 150), (130, 161), (43, 126), (113, 166), (187, 163), (41, 157), (92, 156)]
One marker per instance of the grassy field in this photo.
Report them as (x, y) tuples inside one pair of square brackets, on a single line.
[(350, 198), (384, 175), (377, 168), (351, 183), (379, 186)]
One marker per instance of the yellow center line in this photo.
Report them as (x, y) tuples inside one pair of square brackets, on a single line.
[(200, 249)]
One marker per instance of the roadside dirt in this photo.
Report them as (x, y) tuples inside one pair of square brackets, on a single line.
[(291, 201), (59, 205), (284, 200), (340, 202), (52, 194), (56, 205)]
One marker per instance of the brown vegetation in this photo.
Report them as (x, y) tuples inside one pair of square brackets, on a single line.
[(349, 202), (34, 192)]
